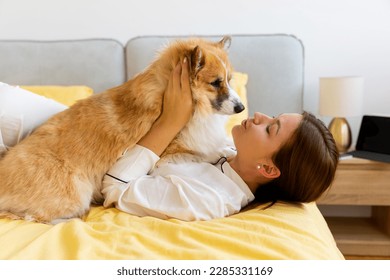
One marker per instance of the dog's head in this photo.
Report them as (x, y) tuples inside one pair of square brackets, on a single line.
[(210, 73)]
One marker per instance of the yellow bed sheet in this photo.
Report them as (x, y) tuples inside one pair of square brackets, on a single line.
[(283, 231)]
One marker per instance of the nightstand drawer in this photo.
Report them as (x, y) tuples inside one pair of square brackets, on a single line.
[(359, 182)]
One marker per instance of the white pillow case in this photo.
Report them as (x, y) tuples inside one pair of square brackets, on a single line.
[(21, 111)]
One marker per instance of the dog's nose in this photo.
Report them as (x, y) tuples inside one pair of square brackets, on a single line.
[(239, 108)]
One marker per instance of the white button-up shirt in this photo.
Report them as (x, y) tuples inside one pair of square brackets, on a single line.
[(185, 190)]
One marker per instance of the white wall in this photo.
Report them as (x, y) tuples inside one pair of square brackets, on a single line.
[(341, 37)]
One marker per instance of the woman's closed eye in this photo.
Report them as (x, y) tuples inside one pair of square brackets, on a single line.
[(276, 125), (267, 129)]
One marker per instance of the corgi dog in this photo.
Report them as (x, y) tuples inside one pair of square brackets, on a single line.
[(56, 172)]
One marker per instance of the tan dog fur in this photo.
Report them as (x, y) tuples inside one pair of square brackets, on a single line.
[(57, 171)]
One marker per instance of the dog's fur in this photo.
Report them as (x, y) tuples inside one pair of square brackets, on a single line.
[(57, 171)]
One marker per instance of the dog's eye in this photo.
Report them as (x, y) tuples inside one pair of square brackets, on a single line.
[(216, 83)]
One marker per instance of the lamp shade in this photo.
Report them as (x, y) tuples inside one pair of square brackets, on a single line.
[(341, 96)]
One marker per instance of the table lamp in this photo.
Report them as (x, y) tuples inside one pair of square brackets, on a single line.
[(341, 97)]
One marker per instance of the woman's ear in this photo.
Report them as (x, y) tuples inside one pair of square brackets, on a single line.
[(269, 171)]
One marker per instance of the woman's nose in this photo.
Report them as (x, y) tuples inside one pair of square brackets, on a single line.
[(258, 118)]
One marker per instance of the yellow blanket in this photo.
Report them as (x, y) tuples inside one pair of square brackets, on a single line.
[(283, 231)]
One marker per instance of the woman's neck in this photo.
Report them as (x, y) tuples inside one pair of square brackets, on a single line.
[(245, 173)]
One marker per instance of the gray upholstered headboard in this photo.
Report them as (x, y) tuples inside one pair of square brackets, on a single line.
[(274, 64), (97, 63)]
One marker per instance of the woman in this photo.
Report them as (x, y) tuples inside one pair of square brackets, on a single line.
[(292, 157)]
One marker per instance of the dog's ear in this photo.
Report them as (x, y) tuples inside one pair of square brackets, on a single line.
[(197, 60), (225, 42)]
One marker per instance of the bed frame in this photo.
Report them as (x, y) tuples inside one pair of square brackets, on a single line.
[(274, 64)]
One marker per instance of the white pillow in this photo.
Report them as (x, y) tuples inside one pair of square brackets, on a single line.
[(21, 111)]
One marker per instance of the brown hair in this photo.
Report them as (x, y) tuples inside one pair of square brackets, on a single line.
[(307, 162)]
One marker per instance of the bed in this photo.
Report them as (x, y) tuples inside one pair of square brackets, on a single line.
[(273, 68)]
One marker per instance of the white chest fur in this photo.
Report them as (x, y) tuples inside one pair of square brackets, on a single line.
[(206, 137)]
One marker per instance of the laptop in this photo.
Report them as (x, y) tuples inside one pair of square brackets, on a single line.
[(374, 139)]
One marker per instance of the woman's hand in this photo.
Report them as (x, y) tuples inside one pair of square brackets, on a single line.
[(177, 103), (176, 111)]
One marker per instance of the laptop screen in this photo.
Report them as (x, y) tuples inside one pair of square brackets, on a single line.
[(374, 135)]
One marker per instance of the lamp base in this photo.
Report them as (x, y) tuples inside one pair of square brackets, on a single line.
[(341, 132)]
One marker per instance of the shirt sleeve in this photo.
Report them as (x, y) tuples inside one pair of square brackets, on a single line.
[(129, 187), (134, 163)]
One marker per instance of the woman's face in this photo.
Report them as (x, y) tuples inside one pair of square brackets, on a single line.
[(258, 138)]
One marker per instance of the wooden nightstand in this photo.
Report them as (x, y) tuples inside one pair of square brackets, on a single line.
[(361, 182)]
